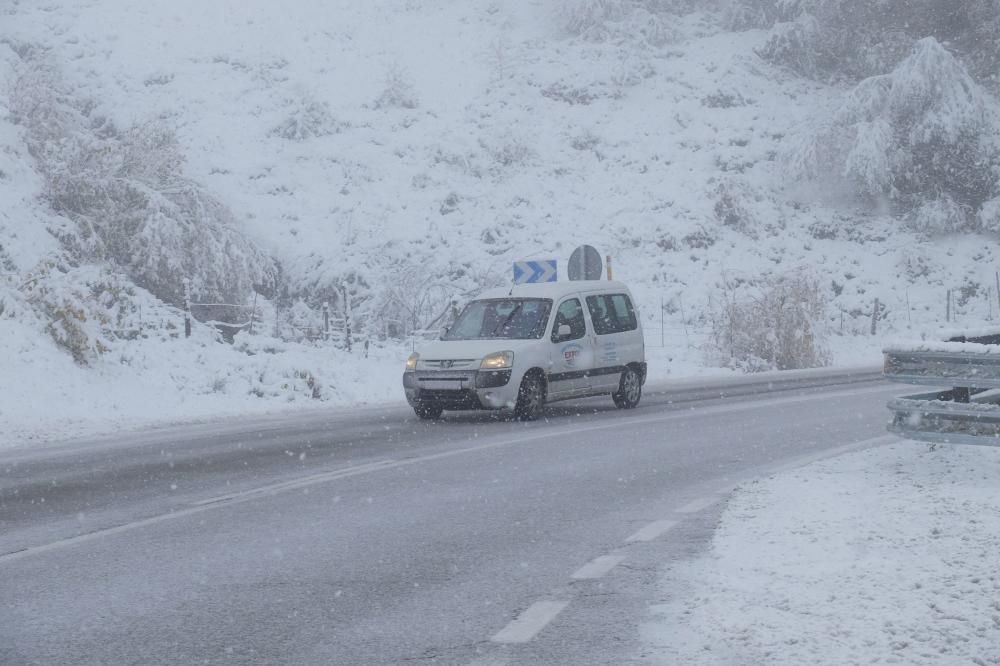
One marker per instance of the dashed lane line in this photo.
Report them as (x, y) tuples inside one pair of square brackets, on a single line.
[(697, 505), (598, 567), (527, 625), (652, 531)]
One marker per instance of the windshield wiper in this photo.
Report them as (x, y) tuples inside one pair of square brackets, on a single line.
[(506, 321)]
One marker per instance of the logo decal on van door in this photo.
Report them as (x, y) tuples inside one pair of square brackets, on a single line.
[(571, 353)]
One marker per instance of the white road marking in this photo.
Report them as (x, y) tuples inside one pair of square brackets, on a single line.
[(599, 567), (90, 536), (295, 483), (697, 505), (197, 507), (527, 625), (546, 433), (652, 531)]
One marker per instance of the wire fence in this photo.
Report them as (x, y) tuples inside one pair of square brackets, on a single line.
[(667, 321)]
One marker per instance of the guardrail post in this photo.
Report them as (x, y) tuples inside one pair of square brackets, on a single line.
[(326, 320)]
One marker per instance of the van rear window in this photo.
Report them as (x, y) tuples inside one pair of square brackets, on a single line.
[(611, 313)]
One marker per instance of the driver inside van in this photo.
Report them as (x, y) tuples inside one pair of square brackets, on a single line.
[(571, 314)]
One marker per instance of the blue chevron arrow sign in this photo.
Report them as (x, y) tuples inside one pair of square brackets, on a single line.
[(535, 271)]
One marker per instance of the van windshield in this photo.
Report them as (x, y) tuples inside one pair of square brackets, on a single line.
[(507, 318)]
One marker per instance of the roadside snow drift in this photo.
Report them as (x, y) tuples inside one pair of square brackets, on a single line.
[(890, 555)]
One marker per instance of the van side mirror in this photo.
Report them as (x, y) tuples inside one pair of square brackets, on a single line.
[(564, 331)]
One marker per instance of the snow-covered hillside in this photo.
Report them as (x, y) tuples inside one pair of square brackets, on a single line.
[(398, 155)]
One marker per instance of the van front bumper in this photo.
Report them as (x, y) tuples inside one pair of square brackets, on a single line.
[(468, 389)]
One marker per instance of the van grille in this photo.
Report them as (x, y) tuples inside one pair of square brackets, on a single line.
[(448, 364)]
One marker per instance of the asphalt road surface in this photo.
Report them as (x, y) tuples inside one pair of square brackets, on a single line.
[(369, 537)]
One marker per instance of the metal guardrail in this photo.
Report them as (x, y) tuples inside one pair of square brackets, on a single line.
[(937, 417), (689, 390), (968, 413)]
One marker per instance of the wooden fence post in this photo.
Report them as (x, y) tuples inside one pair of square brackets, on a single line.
[(347, 316), (187, 307), (253, 310)]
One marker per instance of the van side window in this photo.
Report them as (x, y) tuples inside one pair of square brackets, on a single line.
[(570, 313), (611, 313)]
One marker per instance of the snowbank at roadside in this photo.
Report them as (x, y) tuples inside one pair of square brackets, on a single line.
[(888, 555), (164, 378)]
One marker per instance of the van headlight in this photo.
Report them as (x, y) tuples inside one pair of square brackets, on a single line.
[(411, 363), (498, 361)]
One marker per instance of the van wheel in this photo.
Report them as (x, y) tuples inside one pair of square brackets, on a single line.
[(428, 411), (530, 398), (629, 390)]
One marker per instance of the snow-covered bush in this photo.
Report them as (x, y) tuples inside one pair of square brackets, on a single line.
[(590, 18), (755, 14), (611, 20), (939, 216), (630, 71), (83, 309), (307, 118), (398, 90), (735, 206), (773, 323), (508, 151), (126, 192), (923, 133), (989, 216), (792, 43)]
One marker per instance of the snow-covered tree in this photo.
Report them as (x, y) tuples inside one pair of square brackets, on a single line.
[(127, 194), (923, 133), (861, 38)]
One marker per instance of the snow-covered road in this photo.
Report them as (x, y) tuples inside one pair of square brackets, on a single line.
[(375, 538)]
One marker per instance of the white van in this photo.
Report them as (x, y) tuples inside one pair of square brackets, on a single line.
[(535, 343)]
